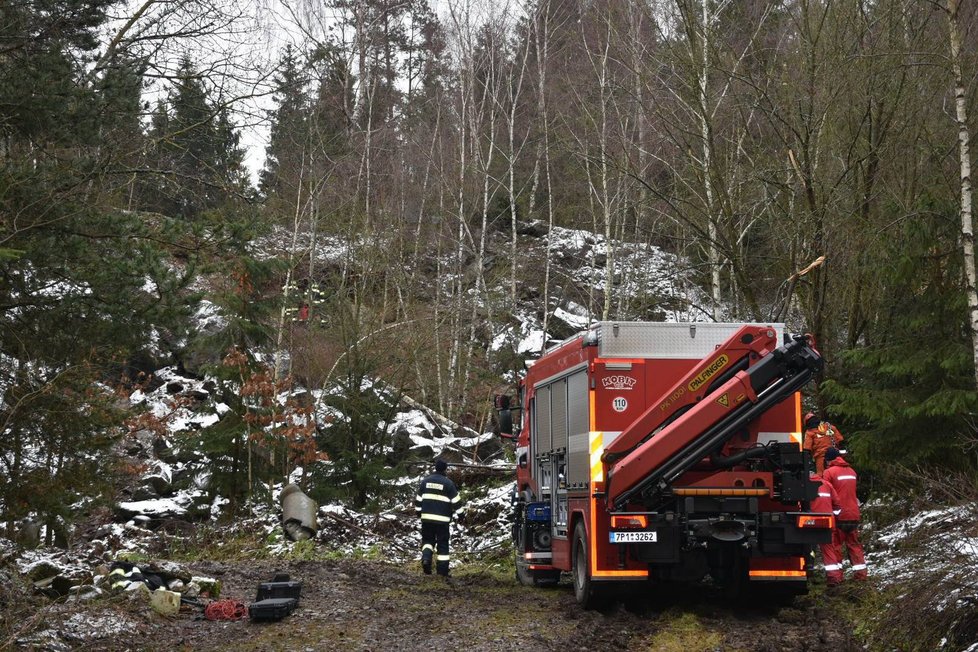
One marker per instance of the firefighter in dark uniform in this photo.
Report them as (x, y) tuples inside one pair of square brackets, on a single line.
[(436, 502)]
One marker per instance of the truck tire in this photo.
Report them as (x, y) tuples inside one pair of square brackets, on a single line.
[(587, 594)]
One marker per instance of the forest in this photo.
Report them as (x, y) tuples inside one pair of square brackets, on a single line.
[(806, 161)]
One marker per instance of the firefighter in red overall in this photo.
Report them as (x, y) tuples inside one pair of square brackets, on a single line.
[(843, 479), (436, 503), (828, 503), (819, 437)]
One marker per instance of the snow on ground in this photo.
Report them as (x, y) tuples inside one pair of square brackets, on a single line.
[(163, 404), (937, 543), (80, 629), (638, 270), (156, 507), (29, 561), (208, 318)]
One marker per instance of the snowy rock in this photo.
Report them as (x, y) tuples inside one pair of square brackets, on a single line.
[(84, 593), (168, 571), (534, 229), (7, 550), (80, 631), (156, 508), (42, 569), (160, 484), (144, 493), (29, 534)]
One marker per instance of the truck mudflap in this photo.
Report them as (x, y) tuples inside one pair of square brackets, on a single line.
[(785, 530)]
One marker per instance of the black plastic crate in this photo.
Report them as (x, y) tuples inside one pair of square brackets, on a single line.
[(272, 608), (271, 590)]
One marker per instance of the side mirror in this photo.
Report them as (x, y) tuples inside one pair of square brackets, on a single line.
[(507, 428)]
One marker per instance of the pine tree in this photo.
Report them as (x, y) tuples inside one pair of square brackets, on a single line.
[(906, 394), (83, 286)]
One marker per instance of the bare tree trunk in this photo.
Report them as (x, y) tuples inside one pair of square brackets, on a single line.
[(964, 151), (436, 327), (277, 360), (606, 208), (542, 43), (593, 256), (424, 188), (456, 349), (713, 255), (487, 102), (514, 96)]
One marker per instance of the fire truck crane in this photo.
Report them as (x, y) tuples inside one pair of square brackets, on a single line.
[(659, 453)]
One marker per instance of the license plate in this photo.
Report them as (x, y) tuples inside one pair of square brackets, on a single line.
[(633, 537)]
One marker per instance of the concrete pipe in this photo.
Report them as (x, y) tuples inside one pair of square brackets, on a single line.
[(298, 514)]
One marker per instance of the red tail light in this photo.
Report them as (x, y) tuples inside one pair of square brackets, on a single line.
[(810, 521), (629, 521)]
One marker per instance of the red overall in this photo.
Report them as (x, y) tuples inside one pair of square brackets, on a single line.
[(842, 477), (820, 439), (828, 502)]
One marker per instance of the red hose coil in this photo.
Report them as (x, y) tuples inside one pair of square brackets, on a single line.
[(225, 610)]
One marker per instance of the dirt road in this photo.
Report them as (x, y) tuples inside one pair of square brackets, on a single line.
[(369, 605)]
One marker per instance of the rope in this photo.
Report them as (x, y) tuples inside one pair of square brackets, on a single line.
[(225, 610)]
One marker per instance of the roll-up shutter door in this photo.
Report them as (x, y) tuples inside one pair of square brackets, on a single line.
[(544, 440), (578, 430), (558, 413)]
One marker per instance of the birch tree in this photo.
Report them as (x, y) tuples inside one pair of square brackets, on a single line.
[(964, 154)]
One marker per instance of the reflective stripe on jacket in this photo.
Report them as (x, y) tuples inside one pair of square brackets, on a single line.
[(437, 499), (827, 500), (843, 479)]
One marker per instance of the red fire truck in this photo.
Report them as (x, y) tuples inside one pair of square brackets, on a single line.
[(665, 453)]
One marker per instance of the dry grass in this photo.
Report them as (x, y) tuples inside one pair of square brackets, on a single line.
[(931, 603)]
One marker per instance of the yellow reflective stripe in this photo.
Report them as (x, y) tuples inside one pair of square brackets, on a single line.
[(427, 546), (443, 557), (457, 499), (597, 448), (444, 499), (436, 517)]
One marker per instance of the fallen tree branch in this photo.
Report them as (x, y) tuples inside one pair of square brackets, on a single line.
[(364, 530)]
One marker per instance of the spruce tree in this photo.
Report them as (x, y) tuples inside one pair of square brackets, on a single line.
[(905, 393), (288, 152), (196, 152)]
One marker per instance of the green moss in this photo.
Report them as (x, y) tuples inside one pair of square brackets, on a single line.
[(303, 551), (681, 632), (300, 635), (132, 556)]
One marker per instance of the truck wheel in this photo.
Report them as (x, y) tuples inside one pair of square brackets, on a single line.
[(587, 595)]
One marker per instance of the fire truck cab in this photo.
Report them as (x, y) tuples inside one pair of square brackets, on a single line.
[(657, 452)]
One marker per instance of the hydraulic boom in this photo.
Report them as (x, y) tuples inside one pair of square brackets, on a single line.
[(704, 427)]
